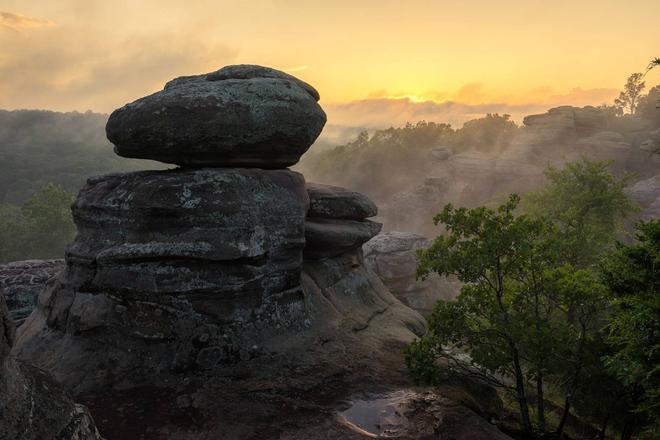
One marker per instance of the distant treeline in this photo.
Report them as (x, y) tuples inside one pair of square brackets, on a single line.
[(390, 160), (39, 147)]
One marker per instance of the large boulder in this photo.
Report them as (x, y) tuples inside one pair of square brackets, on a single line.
[(214, 235), (393, 257), (22, 281), (647, 194), (238, 116), (645, 191), (32, 405)]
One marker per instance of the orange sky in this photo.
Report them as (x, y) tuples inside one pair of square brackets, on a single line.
[(514, 55)]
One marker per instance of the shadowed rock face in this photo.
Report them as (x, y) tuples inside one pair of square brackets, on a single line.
[(238, 116), (21, 282), (214, 235), (336, 221), (32, 405), (328, 201)]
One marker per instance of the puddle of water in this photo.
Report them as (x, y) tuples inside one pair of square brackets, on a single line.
[(378, 416)]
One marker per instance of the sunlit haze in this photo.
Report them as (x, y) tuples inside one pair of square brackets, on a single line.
[(433, 60)]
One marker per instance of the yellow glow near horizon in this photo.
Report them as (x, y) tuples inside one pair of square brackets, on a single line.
[(92, 54)]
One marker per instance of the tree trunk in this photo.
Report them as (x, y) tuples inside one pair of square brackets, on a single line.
[(564, 416), (603, 427), (520, 391), (540, 404)]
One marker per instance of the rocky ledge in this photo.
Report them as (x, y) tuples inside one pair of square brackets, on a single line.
[(32, 405), (21, 282)]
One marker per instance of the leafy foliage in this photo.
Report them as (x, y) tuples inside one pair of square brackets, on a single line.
[(629, 97), (649, 106), (501, 257), (392, 160), (39, 147), (632, 272), (41, 228), (587, 204), (535, 309)]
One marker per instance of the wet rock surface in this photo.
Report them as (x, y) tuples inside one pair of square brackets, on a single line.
[(22, 281), (32, 405), (415, 414), (238, 116)]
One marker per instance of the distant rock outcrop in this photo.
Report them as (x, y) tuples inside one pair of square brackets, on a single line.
[(473, 177), (393, 257), (647, 194)]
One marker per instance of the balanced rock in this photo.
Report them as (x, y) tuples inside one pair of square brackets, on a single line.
[(336, 221), (238, 116)]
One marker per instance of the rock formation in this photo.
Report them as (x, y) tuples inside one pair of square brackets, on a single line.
[(21, 282), (392, 256), (238, 116), (647, 194), (211, 302), (32, 405), (473, 177), (337, 221)]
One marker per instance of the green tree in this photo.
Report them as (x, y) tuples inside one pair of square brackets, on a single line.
[(41, 228), (494, 252), (632, 273), (587, 203), (492, 132), (649, 106), (629, 96), (582, 299)]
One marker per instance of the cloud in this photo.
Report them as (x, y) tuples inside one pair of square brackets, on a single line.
[(383, 112), (471, 92), (46, 70), (378, 111), (582, 97), (19, 21)]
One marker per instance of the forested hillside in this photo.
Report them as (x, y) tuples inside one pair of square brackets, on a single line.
[(39, 147)]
